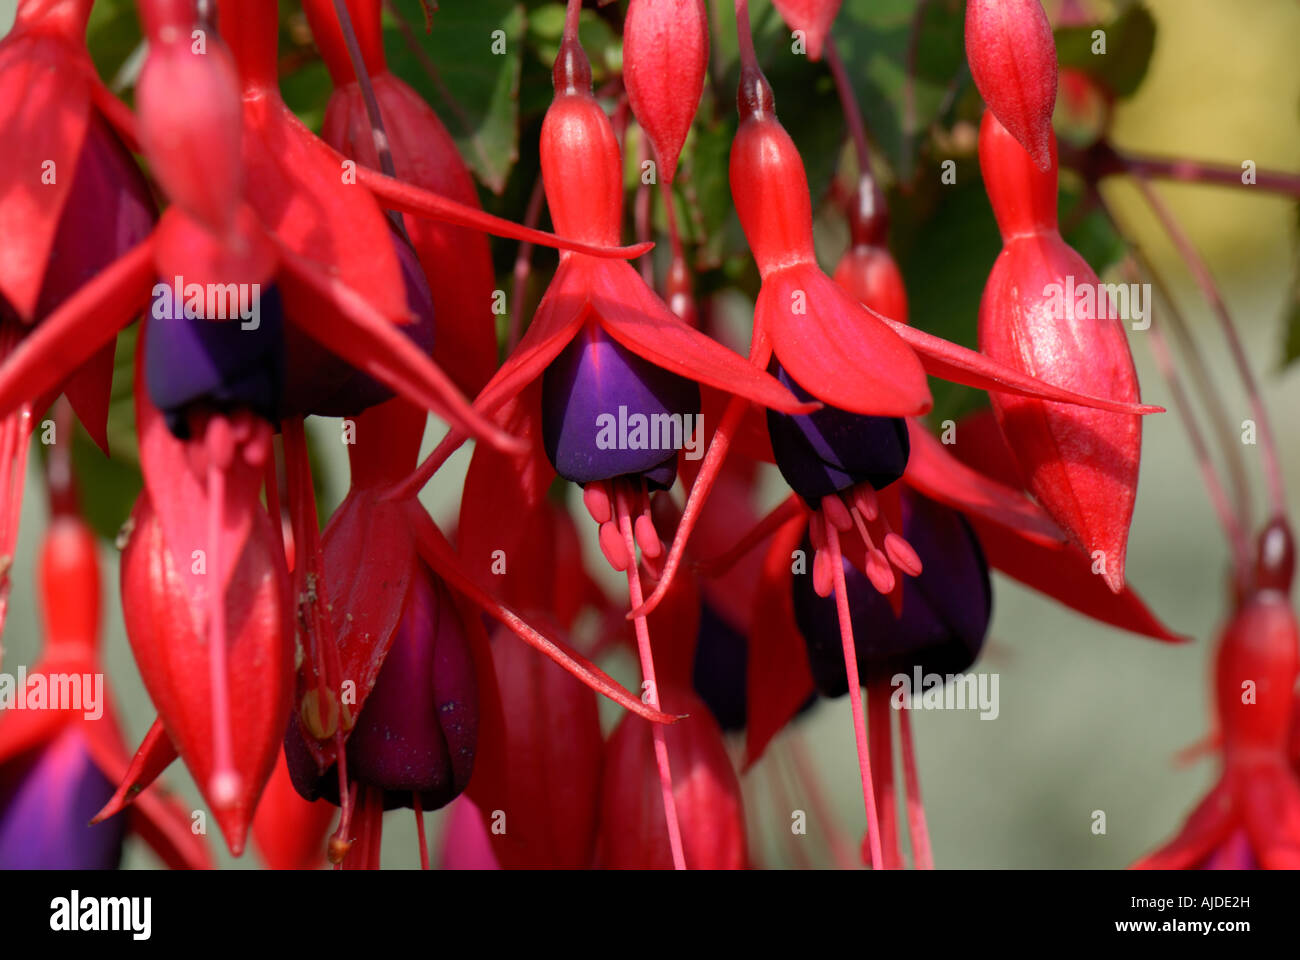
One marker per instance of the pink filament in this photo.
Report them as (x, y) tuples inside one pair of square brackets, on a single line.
[(855, 695), (648, 674)]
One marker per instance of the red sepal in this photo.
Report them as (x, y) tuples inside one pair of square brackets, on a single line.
[(779, 678), (835, 349), (45, 106)]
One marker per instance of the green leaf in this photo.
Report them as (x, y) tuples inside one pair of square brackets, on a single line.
[(946, 240), (469, 73), (1130, 41), (893, 54), (603, 47), (112, 33), (1091, 233)]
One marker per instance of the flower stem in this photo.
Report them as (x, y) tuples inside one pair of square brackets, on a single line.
[(849, 106), (1205, 280), (524, 266)]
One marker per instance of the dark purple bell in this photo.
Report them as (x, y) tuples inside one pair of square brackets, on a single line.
[(226, 365), (720, 673), (831, 450), (607, 413), (322, 383), (109, 210), (946, 609), (418, 729), (47, 798), (261, 364)]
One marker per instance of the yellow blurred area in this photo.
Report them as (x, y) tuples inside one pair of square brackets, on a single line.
[(1224, 85)]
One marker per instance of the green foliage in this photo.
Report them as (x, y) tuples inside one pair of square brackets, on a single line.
[(468, 68), (1130, 41)]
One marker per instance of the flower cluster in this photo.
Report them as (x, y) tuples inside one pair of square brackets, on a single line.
[(312, 678)]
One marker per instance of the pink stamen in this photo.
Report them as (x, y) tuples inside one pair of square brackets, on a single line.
[(864, 498), (836, 513), (652, 691), (823, 576), (879, 572), (704, 480), (596, 499), (855, 698), (613, 546), (902, 555), (647, 537)]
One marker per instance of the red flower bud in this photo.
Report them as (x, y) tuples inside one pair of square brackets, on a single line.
[(665, 54), (813, 17), (581, 164), (710, 808), (170, 643), (1044, 312), (870, 274), (1012, 57), (553, 755)]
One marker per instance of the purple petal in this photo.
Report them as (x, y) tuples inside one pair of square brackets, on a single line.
[(831, 450), (47, 798), (594, 396), (946, 609)]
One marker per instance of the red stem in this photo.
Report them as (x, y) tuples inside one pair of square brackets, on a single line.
[(523, 267), (1205, 280), (849, 106), (362, 71), (1201, 171), (419, 830)]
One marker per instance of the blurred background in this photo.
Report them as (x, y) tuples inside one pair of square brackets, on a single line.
[(1090, 717)]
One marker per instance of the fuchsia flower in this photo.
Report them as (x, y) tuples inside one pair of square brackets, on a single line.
[(1012, 57), (666, 50), (842, 461), (421, 698), (73, 201), (57, 766), (1251, 817), (813, 17), (1081, 464)]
